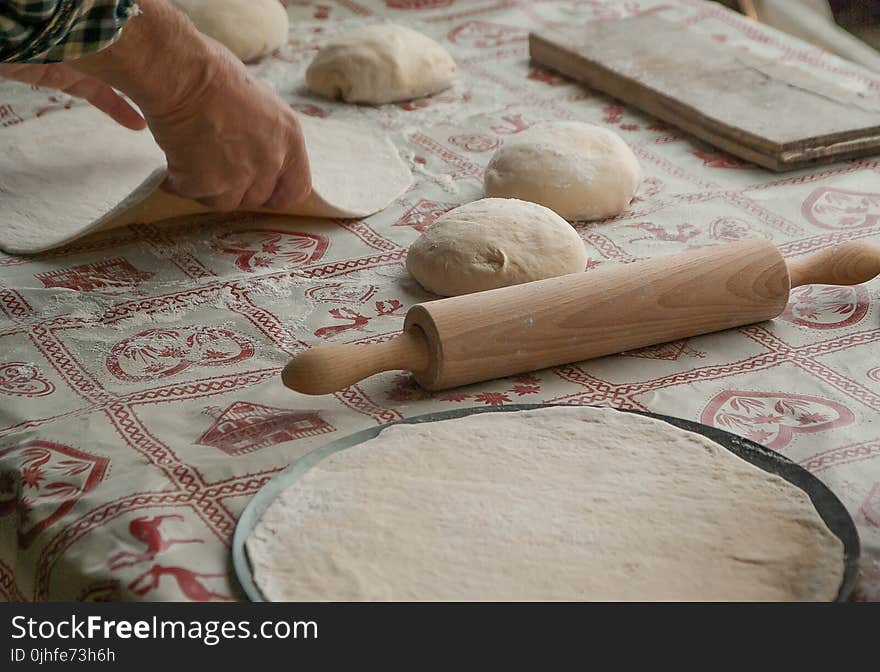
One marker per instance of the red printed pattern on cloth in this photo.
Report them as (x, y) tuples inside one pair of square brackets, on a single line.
[(245, 427), (772, 419), (158, 353), (42, 481), (20, 379)]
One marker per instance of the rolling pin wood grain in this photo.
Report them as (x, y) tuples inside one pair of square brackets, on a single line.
[(486, 335)]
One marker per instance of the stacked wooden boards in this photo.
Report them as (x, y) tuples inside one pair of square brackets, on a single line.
[(761, 110)]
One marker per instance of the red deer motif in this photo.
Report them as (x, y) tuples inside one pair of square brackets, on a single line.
[(146, 530), (187, 580), (389, 307), (513, 124), (357, 321)]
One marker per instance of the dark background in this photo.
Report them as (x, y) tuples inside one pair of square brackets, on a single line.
[(860, 17)]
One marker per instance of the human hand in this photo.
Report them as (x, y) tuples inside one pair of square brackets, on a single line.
[(63, 78), (230, 141)]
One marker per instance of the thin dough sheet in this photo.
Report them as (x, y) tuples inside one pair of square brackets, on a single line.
[(571, 503), (58, 184)]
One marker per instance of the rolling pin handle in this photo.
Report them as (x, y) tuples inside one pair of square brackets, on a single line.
[(852, 263), (329, 368)]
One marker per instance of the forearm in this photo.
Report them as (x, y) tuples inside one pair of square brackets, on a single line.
[(159, 60)]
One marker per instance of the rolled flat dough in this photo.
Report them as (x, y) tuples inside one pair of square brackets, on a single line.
[(55, 187), (554, 504)]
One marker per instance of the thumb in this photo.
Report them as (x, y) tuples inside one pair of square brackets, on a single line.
[(170, 184)]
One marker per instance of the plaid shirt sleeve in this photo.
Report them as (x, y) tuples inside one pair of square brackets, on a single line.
[(49, 31)]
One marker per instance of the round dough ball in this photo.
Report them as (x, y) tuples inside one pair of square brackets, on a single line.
[(494, 242), (381, 64), (578, 170), (250, 29)]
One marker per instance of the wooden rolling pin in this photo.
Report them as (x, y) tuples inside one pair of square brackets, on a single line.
[(486, 335)]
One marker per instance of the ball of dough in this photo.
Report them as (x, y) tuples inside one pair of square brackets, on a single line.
[(578, 170), (250, 29), (494, 242), (380, 64)]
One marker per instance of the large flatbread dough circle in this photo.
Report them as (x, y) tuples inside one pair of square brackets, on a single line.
[(79, 171), (553, 504)]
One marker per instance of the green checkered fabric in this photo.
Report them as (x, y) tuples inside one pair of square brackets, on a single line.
[(49, 31)]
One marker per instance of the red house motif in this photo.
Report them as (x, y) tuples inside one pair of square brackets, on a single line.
[(91, 277), (244, 427)]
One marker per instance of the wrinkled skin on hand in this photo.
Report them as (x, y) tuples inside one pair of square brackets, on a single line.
[(233, 143), (229, 140)]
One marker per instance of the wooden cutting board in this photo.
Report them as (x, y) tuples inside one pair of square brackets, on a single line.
[(774, 115)]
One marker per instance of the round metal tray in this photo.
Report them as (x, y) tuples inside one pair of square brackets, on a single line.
[(827, 504)]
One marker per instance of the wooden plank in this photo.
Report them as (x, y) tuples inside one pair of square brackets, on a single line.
[(775, 115)]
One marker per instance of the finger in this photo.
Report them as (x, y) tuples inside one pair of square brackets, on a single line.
[(293, 187), (223, 203), (108, 101), (168, 186), (27, 73), (295, 183), (186, 185), (174, 185), (257, 195)]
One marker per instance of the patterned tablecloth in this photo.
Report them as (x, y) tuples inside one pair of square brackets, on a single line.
[(140, 401)]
